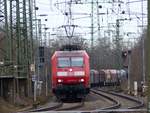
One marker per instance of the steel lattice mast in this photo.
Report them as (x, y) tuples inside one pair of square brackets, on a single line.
[(94, 26), (21, 35), (18, 45), (4, 28)]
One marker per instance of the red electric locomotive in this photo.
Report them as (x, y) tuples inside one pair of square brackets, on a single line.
[(70, 74)]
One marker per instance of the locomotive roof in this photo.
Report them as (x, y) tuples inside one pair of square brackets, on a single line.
[(70, 53)]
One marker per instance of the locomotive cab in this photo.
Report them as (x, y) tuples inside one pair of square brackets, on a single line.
[(70, 74)]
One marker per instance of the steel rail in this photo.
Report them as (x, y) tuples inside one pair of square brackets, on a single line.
[(58, 107), (138, 101), (115, 106), (81, 104), (47, 108)]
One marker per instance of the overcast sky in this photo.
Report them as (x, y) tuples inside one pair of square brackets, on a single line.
[(110, 12)]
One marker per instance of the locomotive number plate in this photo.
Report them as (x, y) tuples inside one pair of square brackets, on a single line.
[(70, 73)]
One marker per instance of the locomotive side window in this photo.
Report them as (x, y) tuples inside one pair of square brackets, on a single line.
[(77, 61), (64, 62)]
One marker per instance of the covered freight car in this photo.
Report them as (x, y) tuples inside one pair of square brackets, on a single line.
[(111, 77), (97, 78), (94, 78)]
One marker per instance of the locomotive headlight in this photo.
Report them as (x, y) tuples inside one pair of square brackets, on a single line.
[(61, 73), (59, 80), (82, 80), (79, 73)]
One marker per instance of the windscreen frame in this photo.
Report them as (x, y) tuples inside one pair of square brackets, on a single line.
[(70, 62)]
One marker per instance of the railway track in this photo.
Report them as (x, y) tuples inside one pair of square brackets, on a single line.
[(116, 104), (47, 107), (132, 109), (59, 107), (138, 103), (71, 106)]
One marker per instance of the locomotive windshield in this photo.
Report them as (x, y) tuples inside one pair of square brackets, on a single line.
[(70, 62), (77, 61), (64, 62)]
